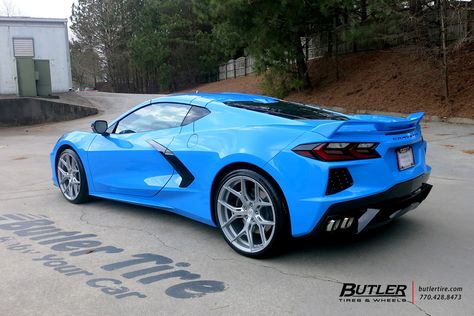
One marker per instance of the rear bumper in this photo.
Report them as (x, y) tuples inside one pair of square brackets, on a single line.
[(374, 210)]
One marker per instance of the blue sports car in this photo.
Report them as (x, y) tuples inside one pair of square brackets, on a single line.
[(259, 168)]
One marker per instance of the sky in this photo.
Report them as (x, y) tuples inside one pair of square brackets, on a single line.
[(39, 8)]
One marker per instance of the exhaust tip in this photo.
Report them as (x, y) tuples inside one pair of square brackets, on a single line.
[(339, 224), (330, 225)]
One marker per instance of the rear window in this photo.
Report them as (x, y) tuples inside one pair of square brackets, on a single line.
[(290, 110)]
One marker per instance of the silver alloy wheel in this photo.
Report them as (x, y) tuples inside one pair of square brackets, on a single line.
[(69, 176), (246, 214)]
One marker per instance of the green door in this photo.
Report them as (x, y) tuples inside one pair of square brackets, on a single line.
[(25, 68), (43, 78)]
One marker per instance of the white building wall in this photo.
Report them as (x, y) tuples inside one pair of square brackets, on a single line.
[(50, 42)]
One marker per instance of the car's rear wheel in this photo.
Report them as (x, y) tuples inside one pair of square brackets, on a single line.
[(250, 214), (71, 177)]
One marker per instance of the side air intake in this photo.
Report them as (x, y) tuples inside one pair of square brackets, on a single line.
[(339, 180)]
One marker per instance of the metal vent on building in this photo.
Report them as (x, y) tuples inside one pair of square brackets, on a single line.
[(23, 47)]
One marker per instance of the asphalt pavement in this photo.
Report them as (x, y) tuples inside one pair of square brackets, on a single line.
[(151, 262)]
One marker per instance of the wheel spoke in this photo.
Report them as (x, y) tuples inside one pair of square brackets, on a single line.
[(231, 208), (261, 230), (231, 220), (234, 192), (241, 233), (68, 161), (63, 173), (263, 221), (65, 163), (243, 191), (69, 190), (248, 232), (74, 166), (263, 204), (73, 185), (259, 202)]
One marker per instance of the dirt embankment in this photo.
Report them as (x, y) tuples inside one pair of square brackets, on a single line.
[(395, 80)]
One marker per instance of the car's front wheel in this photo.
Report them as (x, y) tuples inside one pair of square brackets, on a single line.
[(71, 177), (250, 214)]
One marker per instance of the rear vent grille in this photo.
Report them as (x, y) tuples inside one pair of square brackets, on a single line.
[(339, 179)]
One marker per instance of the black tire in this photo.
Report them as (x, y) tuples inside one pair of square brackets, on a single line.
[(280, 234), (83, 194)]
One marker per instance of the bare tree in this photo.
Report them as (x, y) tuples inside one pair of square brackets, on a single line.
[(8, 8), (86, 65), (444, 50)]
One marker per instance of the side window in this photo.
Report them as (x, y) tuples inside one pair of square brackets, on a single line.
[(195, 114), (153, 117)]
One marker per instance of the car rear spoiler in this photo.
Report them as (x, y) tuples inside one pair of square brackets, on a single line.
[(377, 124)]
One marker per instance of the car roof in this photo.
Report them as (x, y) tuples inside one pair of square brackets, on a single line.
[(202, 99)]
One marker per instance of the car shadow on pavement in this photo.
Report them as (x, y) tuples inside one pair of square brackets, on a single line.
[(378, 240), (157, 221), (169, 226)]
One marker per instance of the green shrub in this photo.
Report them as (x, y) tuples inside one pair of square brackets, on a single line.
[(280, 83)]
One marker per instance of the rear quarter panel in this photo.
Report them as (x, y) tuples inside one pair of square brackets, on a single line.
[(219, 140)]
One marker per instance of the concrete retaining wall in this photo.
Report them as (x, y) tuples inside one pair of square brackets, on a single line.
[(28, 111)]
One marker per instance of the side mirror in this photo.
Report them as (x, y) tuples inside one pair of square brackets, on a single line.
[(100, 127)]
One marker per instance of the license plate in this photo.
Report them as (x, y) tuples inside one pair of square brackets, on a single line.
[(405, 158)]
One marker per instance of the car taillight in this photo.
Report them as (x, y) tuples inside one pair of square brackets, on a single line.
[(338, 151)]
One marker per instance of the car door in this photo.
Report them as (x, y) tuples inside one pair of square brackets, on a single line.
[(126, 161)]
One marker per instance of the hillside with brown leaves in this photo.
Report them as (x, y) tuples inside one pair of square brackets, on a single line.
[(395, 80)]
